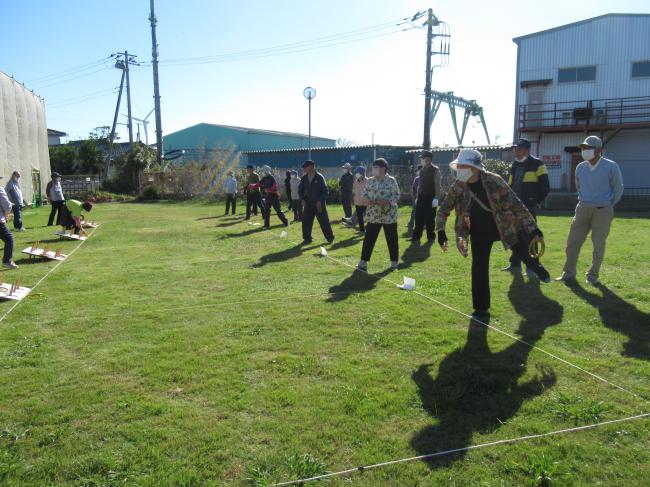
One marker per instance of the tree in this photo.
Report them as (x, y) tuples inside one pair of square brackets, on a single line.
[(90, 157), (63, 159)]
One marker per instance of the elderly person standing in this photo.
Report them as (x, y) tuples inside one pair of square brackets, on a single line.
[(16, 197), (296, 204), (55, 198), (528, 178), (313, 194), (427, 198), (345, 183), (5, 233), (600, 187), (358, 189), (487, 210), (230, 189), (252, 191), (381, 195), (270, 187)]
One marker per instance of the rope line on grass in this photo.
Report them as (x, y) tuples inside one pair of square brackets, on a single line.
[(56, 266), (460, 450), (492, 327)]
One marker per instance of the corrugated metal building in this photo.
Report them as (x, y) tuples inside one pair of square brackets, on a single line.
[(587, 78), (201, 140), (23, 138)]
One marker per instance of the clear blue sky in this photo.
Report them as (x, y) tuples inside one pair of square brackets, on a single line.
[(370, 86)]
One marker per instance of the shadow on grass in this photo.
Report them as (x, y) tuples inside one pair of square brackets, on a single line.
[(283, 255), (230, 222), (416, 253), (620, 316), (476, 390), (219, 217), (245, 233), (348, 242), (357, 282)]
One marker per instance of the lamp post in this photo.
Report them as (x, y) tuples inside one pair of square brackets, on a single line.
[(309, 93)]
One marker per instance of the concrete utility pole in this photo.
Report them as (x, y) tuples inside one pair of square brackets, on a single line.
[(112, 137), (426, 142), (156, 86), (128, 97)]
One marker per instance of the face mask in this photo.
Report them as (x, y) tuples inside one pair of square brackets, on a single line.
[(376, 171), (358, 176), (293, 176), (520, 160), (463, 174), (588, 154), (417, 174)]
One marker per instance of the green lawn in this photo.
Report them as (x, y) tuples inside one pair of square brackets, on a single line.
[(180, 348)]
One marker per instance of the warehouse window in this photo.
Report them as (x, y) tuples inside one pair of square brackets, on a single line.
[(573, 75), (641, 69)]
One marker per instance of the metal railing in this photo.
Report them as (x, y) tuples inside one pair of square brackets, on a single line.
[(586, 113)]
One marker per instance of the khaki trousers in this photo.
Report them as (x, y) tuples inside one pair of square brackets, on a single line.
[(587, 218)]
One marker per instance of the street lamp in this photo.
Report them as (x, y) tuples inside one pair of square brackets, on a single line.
[(309, 93)]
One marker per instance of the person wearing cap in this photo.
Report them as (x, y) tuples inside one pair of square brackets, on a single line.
[(528, 178), (382, 195), (313, 193), (345, 184), (269, 185), (15, 195), (287, 189), (600, 186), (230, 189), (5, 234), (252, 192), (427, 198), (358, 189), (487, 210), (54, 193), (414, 194), (296, 205), (71, 214)]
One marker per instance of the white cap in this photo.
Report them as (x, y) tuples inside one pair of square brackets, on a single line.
[(265, 169), (469, 157), (592, 141)]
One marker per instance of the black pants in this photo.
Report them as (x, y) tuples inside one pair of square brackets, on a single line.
[(372, 232), (273, 202), (231, 198), (515, 261), (18, 216), (296, 206), (253, 201), (56, 206), (323, 220), (8, 239), (361, 212), (481, 269), (425, 216), (346, 200)]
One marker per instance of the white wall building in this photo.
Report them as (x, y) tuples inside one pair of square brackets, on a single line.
[(23, 138), (587, 78)]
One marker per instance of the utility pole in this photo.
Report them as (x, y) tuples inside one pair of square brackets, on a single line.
[(112, 137), (426, 142), (156, 86), (128, 97)]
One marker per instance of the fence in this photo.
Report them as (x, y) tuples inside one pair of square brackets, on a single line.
[(76, 185)]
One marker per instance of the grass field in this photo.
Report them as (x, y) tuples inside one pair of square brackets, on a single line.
[(177, 347)]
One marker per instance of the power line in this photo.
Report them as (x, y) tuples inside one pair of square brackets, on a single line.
[(83, 67), (71, 79), (82, 100), (83, 96), (285, 51)]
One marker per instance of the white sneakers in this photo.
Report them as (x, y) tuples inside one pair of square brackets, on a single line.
[(10, 265), (363, 265)]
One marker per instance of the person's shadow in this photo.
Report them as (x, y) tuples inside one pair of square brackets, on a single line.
[(357, 282), (621, 316), (476, 390), (283, 255), (416, 253)]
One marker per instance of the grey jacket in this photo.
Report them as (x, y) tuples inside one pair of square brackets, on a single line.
[(5, 205), (14, 193)]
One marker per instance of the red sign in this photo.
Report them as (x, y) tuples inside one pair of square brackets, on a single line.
[(552, 160)]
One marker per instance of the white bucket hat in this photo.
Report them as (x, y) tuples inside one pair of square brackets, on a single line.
[(265, 169), (468, 157)]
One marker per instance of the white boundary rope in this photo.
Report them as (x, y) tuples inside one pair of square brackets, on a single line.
[(56, 266), (459, 450)]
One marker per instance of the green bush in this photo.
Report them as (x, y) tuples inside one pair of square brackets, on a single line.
[(150, 193), (335, 191), (497, 166)]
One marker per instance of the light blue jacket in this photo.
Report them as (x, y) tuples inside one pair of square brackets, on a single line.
[(230, 185), (14, 193)]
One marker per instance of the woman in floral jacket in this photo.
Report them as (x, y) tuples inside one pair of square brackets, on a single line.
[(381, 196), (487, 210)]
